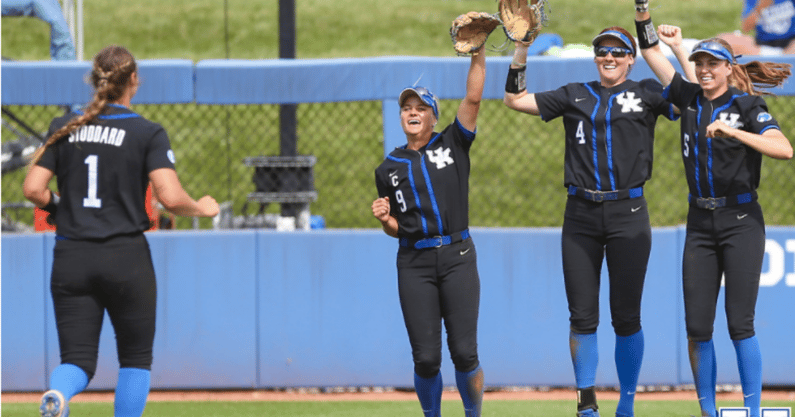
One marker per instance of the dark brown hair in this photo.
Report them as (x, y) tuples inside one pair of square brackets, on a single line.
[(110, 77)]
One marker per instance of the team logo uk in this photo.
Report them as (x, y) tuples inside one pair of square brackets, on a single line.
[(731, 119), (440, 157), (629, 103)]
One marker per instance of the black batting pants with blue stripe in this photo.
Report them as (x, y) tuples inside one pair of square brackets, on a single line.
[(727, 242), (89, 278), (440, 285), (620, 232)]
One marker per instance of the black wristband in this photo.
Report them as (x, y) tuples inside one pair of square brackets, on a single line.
[(52, 206), (647, 35), (516, 82)]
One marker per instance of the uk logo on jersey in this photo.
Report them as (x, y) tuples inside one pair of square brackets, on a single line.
[(763, 117), (629, 103), (731, 120), (440, 157)]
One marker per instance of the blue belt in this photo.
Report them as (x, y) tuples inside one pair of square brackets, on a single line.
[(599, 196), (712, 203), (434, 242)]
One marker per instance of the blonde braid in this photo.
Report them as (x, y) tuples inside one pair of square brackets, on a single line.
[(109, 84)]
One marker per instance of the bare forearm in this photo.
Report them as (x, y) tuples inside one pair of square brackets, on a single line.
[(390, 226)]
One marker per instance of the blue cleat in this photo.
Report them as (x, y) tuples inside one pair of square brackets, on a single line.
[(53, 404)]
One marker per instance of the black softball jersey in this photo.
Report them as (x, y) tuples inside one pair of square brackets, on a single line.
[(609, 131), (428, 189), (719, 167), (103, 170)]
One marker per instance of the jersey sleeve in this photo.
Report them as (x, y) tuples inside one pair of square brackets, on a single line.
[(680, 92), (462, 136), (552, 104), (159, 154), (380, 185), (758, 119), (653, 94)]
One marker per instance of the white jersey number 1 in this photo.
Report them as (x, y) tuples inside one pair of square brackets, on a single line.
[(92, 201)]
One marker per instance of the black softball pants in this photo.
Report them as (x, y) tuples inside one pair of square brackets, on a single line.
[(89, 278), (730, 242), (435, 285), (620, 231)]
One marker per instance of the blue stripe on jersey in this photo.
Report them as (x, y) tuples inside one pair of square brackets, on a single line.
[(469, 135), (766, 128), (130, 115), (715, 114), (672, 112), (609, 139), (433, 139), (593, 138), (695, 147), (432, 196), (413, 189)]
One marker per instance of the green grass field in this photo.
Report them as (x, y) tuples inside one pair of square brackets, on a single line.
[(194, 29), (502, 408)]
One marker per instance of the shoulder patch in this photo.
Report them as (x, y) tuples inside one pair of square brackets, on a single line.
[(170, 155), (763, 117)]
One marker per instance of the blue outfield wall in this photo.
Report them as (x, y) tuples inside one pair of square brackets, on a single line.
[(306, 81), (259, 308)]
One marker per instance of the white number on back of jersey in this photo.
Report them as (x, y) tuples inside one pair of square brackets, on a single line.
[(580, 133), (93, 167), (401, 200)]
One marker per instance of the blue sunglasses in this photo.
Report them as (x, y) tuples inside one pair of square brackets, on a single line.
[(616, 51)]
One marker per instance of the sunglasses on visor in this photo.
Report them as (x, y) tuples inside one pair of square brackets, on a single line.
[(616, 51)]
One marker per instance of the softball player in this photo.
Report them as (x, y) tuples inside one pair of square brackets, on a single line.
[(726, 129), (423, 190), (609, 128), (103, 160)]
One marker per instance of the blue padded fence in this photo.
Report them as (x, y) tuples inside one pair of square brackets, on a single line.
[(258, 309)]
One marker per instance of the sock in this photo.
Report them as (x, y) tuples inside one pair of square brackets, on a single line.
[(629, 356), (69, 379), (749, 362), (470, 386), (429, 391), (584, 357), (703, 364), (131, 392)]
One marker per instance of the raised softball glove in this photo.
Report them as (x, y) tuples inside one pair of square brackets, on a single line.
[(522, 22), (470, 31)]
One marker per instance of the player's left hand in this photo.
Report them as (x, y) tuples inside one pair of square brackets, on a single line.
[(719, 129)]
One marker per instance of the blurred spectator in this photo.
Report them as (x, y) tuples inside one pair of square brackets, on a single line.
[(774, 24), (61, 45)]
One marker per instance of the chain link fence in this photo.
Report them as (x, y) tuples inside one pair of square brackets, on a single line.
[(517, 161)]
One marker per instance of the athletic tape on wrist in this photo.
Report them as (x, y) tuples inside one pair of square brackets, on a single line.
[(647, 35), (516, 81)]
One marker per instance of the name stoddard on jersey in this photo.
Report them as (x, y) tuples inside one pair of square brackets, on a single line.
[(98, 134)]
